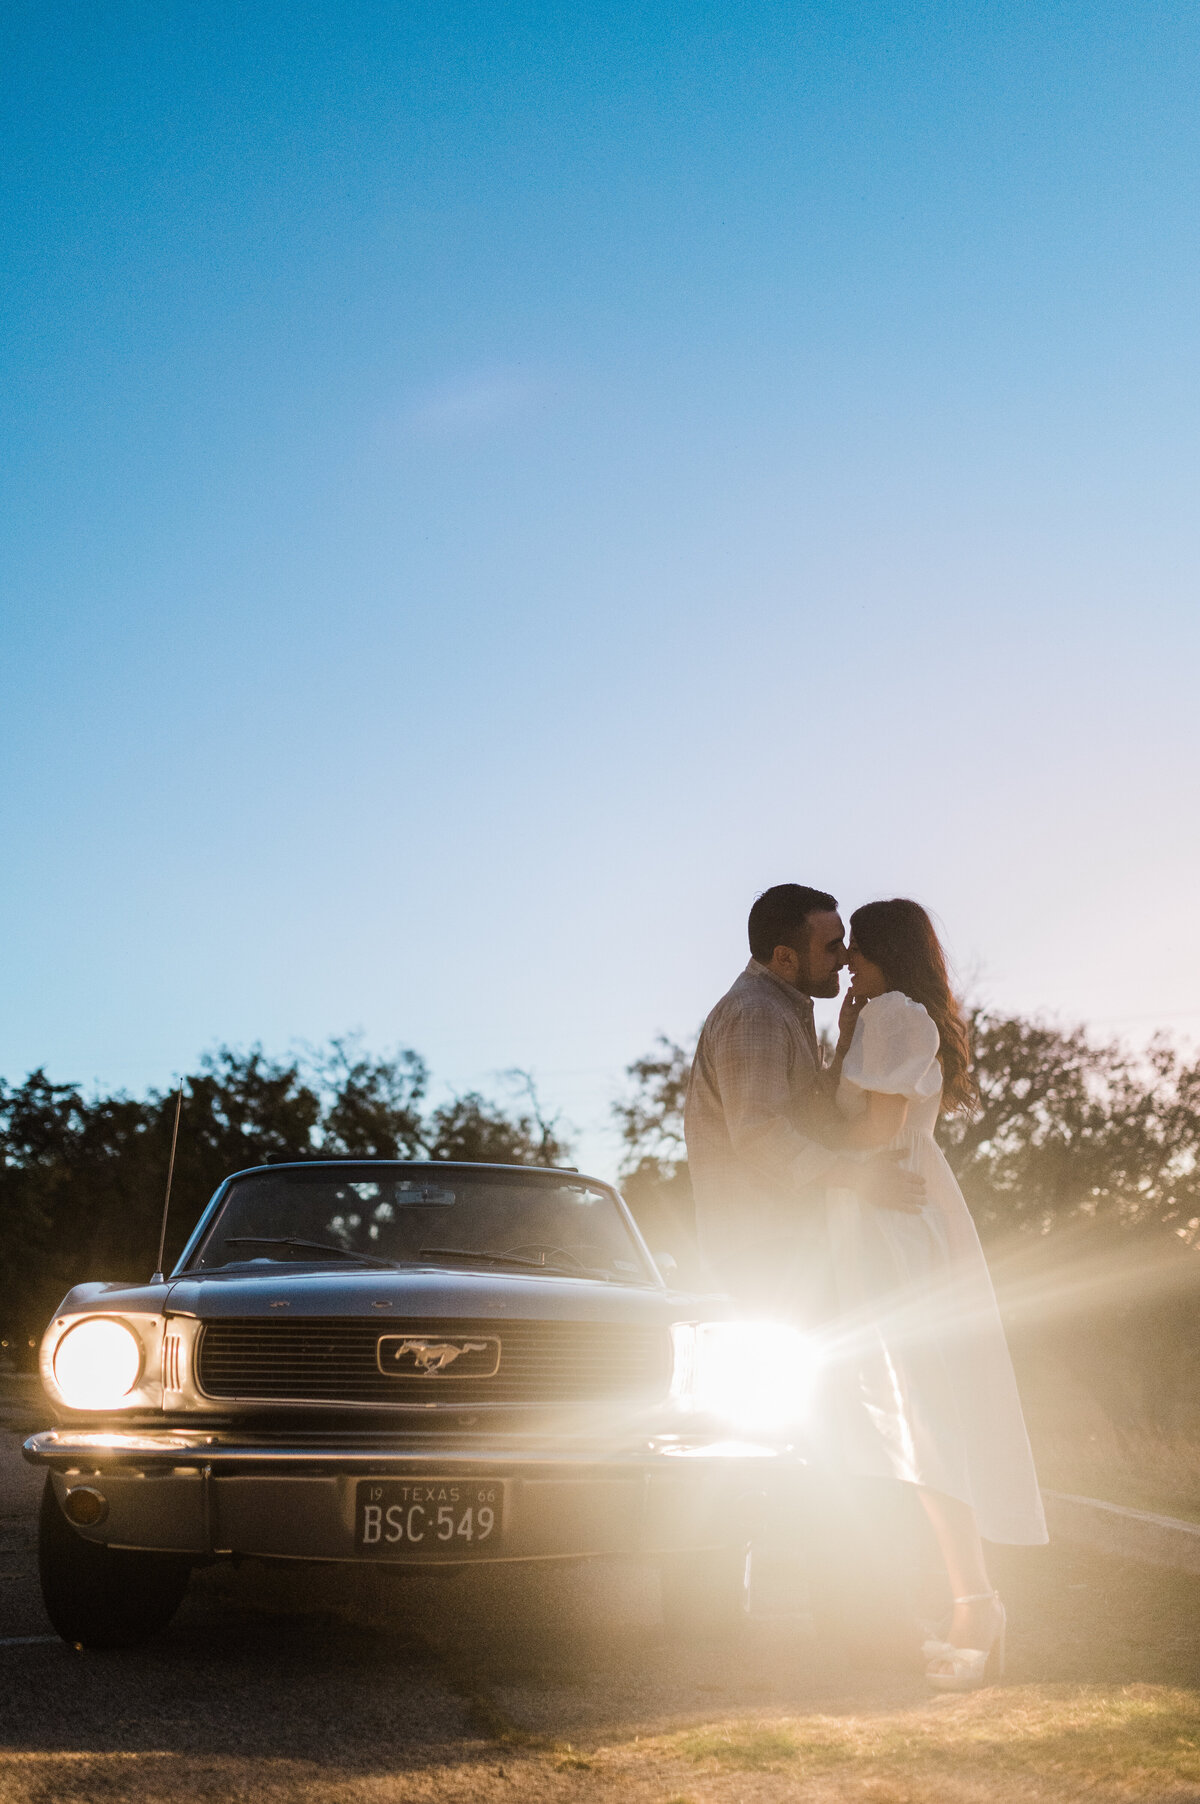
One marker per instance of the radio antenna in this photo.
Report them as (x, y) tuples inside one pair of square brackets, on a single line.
[(157, 1276)]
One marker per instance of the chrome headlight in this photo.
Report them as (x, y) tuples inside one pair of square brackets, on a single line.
[(750, 1374), (97, 1363)]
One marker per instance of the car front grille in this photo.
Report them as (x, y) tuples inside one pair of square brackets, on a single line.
[(336, 1361)]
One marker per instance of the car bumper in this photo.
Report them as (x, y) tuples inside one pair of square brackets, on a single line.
[(217, 1495)]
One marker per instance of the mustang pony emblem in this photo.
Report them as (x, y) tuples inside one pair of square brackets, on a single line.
[(429, 1357), (436, 1355)]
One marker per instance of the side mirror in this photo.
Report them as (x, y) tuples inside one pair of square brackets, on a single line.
[(667, 1264)]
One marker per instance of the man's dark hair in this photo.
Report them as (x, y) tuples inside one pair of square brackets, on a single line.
[(779, 914)]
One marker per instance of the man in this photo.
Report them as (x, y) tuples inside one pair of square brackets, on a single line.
[(756, 1106)]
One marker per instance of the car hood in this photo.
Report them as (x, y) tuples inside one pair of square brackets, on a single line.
[(387, 1295)]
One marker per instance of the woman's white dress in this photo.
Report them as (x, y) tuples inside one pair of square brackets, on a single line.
[(920, 1365)]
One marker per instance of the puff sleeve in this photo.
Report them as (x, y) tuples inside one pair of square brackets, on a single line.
[(894, 1049)]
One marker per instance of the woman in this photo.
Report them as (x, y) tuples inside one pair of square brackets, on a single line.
[(926, 1384)]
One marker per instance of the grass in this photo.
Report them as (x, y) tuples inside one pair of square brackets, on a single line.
[(569, 1760), (1079, 1448), (1119, 1736), (1055, 1744)]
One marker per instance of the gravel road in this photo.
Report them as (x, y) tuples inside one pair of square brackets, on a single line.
[(330, 1684)]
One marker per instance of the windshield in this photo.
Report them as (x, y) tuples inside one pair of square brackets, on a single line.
[(515, 1221)]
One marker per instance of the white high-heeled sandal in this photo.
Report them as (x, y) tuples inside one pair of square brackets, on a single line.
[(970, 1667)]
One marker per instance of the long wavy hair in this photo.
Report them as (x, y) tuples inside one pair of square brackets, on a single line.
[(899, 937)]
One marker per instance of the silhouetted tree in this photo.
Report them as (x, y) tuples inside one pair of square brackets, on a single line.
[(1067, 1129), (374, 1103), (469, 1127), (1081, 1167), (1071, 1130), (654, 1172), (82, 1179)]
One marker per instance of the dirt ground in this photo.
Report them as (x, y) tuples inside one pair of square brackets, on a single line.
[(336, 1686)]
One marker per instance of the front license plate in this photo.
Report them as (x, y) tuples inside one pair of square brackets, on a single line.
[(428, 1518)]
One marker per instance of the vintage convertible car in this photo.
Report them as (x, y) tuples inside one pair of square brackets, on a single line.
[(404, 1362)]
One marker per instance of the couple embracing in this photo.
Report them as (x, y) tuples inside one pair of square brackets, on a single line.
[(822, 1196)]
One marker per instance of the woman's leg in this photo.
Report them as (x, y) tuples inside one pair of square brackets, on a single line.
[(974, 1624)]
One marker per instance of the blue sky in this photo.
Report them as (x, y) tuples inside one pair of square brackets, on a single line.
[(488, 488)]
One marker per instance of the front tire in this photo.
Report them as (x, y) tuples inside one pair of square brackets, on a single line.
[(99, 1596), (706, 1594)]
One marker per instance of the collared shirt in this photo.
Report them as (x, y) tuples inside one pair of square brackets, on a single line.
[(755, 1169)]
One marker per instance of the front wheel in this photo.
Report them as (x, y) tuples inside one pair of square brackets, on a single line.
[(103, 1596), (706, 1594)]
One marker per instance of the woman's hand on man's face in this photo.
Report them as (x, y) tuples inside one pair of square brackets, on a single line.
[(848, 1014)]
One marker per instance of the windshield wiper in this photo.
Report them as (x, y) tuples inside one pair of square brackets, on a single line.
[(305, 1246), (530, 1265)]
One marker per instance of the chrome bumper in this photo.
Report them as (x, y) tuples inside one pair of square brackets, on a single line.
[(209, 1495)]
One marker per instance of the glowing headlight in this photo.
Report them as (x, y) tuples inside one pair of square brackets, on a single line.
[(753, 1374), (97, 1364)]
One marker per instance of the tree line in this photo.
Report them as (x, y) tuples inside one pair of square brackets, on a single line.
[(1080, 1164), (1081, 1168), (82, 1178), (1067, 1131)]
